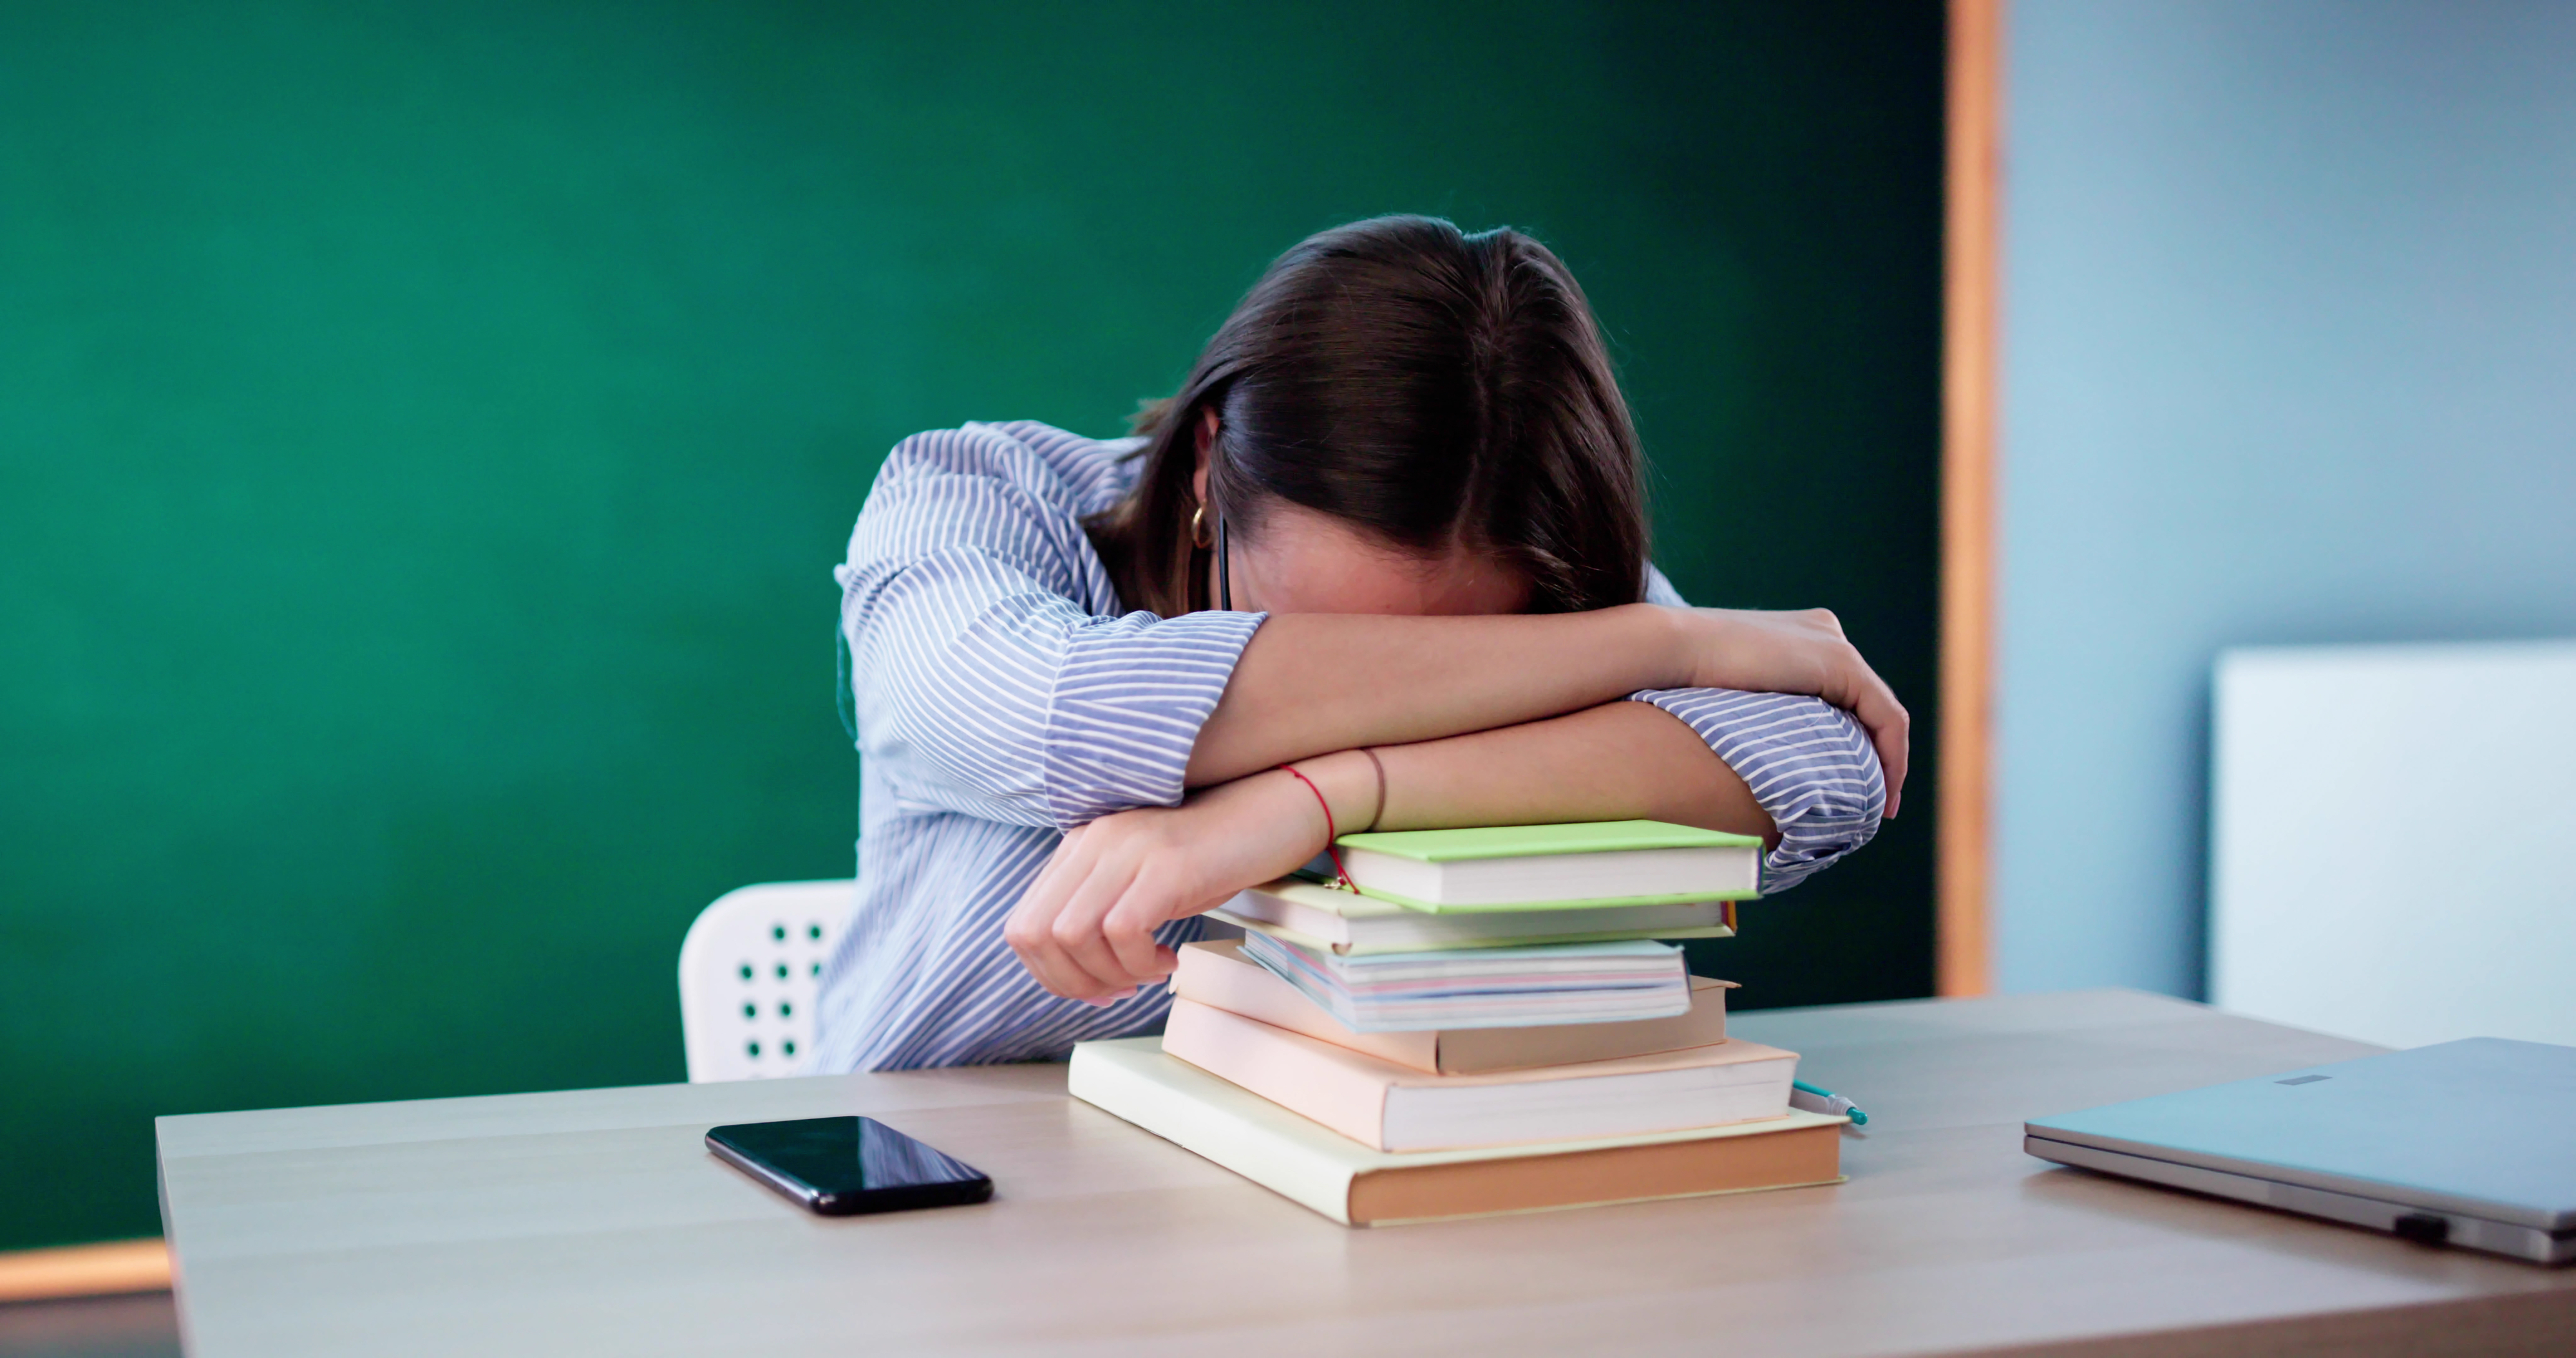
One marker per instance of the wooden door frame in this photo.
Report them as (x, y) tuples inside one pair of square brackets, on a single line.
[(1972, 235)]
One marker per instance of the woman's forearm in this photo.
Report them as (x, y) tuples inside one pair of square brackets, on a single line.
[(1311, 683), (1617, 761), (1085, 927)]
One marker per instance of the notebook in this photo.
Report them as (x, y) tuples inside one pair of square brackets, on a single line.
[(1349, 1183), (1484, 987), (1347, 922), (2466, 1143), (1589, 865), (1218, 974)]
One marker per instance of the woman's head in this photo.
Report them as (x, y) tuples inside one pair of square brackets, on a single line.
[(1399, 417)]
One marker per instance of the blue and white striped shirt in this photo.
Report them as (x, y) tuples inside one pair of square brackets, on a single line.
[(1004, 696)]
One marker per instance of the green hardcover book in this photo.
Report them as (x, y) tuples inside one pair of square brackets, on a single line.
[(1595, 864)]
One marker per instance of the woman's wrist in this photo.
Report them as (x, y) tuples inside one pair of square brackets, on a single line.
[(1732, 648), (1673, 646), (1649, 646), (1343, 784)]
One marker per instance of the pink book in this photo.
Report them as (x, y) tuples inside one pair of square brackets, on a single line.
[(1391, 1108)]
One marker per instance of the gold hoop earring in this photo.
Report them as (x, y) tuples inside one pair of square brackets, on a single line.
[(1200, 537)]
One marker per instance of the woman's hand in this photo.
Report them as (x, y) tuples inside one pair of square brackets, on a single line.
[(1085, 928), (1800, 652)]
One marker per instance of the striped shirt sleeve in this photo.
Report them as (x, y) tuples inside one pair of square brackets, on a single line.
[(1809, 764), (983, 685)]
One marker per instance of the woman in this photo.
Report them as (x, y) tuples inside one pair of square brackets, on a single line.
[(1381, 563)]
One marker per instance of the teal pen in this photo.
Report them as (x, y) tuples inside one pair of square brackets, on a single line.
[(1824, 1101)]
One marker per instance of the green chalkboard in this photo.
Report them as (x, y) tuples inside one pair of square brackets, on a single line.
[(426, 430)]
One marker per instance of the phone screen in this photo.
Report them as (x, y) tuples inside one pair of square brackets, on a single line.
[(847, 1165)]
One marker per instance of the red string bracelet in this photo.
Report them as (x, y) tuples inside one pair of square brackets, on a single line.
[(1342, 875)]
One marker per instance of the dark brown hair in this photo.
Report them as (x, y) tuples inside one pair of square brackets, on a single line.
[(1427, 385)]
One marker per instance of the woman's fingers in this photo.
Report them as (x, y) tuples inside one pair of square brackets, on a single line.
[(1043, 896), (1062, 928), (1806, 652), (1858, 689), (1049, 967), (1031, 929), (1128, 930), (1080, 928), (1085, 926), (1052, 970), (1891, 731), (1890, 728)]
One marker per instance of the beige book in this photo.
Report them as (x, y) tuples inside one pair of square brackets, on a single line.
[(1349, 1183), (1391, 1108), (1219, 975)]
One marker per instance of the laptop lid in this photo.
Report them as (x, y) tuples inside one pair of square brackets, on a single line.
[(2484, 1127)]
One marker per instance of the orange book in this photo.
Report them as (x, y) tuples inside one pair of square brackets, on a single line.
[(1219, 975), (1394, 1108)]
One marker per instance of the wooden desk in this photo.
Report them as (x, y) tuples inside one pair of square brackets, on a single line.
[(594, 1222)]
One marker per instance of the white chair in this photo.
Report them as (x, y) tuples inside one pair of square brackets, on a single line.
[(748, 973)]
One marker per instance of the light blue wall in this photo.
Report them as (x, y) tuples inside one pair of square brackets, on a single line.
[(2290, 356)]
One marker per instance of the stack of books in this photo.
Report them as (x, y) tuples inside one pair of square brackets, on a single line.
[(1494, 1020)]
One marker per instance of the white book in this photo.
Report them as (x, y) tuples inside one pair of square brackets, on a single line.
[(1484, 987)]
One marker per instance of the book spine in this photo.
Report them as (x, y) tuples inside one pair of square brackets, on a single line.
[(1274, 1162)]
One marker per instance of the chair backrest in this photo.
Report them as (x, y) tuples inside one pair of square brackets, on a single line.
[(748, 973)]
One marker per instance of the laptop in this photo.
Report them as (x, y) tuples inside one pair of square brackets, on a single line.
[(2467, 1143)]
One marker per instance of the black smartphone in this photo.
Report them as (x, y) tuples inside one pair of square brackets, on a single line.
[(844, 1166)]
